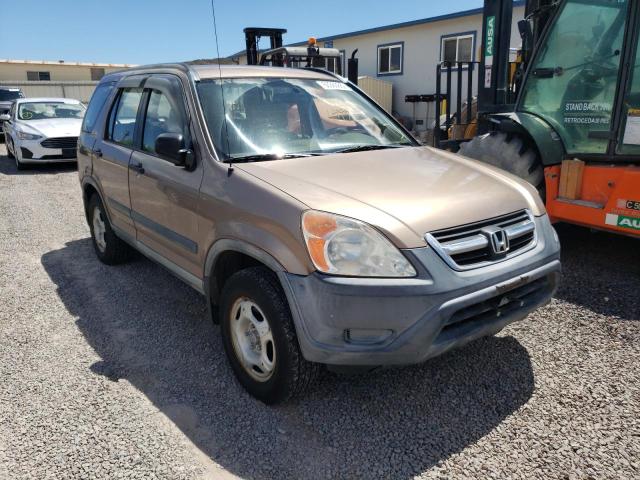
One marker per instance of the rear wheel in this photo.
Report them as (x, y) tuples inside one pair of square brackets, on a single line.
[(260, 339), (109, 248), (509, 152)]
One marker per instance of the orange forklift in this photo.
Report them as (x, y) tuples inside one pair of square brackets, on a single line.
[(565, 116)]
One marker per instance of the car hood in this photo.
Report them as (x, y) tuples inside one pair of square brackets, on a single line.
[(54, 127), (405, 192)]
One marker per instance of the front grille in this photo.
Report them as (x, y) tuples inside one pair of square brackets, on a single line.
[(470, 246), (64, 156), (60, 142)]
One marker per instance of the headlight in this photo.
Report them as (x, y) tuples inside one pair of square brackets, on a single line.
[(28, 136), (343, 246)]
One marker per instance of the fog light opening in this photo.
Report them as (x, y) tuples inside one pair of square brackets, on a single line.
[(366, 336)]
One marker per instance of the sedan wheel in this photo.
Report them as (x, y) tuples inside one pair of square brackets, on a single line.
[(17, 153), (9, 145)]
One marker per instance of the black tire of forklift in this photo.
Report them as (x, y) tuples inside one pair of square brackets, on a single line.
[(508, 152)]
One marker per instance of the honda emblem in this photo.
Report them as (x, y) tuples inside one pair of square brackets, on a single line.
[(498, 240)]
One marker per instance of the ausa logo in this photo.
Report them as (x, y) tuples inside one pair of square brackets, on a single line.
[(623, 221), (491, 32)]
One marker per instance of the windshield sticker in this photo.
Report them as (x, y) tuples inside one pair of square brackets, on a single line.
[(327, 85), (587, 113), (632, 128), (622, 221)]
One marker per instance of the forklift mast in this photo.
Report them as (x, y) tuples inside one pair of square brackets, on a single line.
[(253, 34), (493, 77), (494, 92)]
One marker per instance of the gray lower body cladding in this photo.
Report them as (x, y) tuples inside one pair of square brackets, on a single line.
[(347, 321)]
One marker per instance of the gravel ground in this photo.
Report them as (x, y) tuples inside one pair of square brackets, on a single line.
[(114, 373)]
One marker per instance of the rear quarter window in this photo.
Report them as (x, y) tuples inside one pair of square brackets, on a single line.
[(96, 105)]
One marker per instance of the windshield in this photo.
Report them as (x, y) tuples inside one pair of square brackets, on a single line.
[(292, 116), (6, 95), (47, 110)]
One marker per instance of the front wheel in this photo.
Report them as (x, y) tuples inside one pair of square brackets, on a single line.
[(509, 152), (260, 339), (7, 141)]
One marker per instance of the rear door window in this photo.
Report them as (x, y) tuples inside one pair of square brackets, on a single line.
[(96, 104), (122, 119)]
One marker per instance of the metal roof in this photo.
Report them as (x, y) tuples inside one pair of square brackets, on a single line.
[(393, 26), (65, 63)]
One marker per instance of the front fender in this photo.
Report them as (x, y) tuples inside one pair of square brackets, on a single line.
[(235, 245), (543, 135)]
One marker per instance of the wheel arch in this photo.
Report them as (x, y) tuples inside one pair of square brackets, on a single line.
[(539, 134), (228, 256), (89, 188)]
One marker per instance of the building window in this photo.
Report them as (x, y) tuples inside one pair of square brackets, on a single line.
[(39, 76), (390, 59), (457, 47), (97, 73)]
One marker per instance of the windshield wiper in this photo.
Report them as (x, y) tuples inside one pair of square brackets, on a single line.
[(260, 157), (364, 148)]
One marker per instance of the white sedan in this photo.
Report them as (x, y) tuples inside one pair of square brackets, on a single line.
[(41, 130)]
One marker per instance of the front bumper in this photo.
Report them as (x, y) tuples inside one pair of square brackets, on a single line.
[(368, 321), (31, 151)]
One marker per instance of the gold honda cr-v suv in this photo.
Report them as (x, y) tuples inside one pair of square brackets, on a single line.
[(319, 231)]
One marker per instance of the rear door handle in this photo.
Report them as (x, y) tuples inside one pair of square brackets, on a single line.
[(97, 153), (137, 167)]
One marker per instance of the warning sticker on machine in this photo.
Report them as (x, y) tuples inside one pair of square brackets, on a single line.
[(622, 221), (632, 127), (628, 204), (587, 113)]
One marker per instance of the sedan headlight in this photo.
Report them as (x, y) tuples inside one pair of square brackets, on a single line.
[(344, 246), (28, 136)]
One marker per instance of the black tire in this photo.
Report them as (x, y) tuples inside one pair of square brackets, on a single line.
[(508, 152), (115, 251), (292, 374), (6, 144)]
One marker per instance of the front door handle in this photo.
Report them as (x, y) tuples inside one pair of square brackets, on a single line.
[(137, 167)]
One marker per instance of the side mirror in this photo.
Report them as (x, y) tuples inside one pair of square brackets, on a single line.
[(5, 117), (172, 148)]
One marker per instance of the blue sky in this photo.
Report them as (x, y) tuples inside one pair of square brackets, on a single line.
[(148, 31)]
